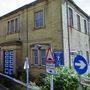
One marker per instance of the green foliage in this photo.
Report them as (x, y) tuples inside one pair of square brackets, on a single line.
[(5, 82), (20, 74), (34, 86), (65, 79), (87, 76)]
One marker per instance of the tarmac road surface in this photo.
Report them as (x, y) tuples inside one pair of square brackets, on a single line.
[(2, 87)]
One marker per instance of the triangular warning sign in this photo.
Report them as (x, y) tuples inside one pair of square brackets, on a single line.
[(49, 57)]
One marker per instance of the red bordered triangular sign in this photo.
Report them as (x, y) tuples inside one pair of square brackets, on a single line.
[(49, 57)]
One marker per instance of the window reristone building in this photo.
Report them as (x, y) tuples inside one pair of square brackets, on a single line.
[(30, 30)]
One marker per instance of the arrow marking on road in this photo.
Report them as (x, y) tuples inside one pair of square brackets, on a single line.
[(81, 64)]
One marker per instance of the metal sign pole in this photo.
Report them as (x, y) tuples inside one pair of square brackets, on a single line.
[(79, 81), (50, 66), (26, 67), (51, 83), (27, 72)]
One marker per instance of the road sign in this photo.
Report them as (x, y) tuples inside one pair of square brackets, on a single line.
[(26, 66), (49, 57), (26, 63), (50, 63), (58, 56), (50, 68), (80, 64)]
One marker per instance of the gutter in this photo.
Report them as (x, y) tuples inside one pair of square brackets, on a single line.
[(61, 21)]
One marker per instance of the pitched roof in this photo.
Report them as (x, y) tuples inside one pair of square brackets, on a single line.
[(76, 6), (36, 2), (22, 8)]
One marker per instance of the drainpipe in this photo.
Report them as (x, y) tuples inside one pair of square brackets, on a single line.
[(26, 58), (61, 21), (68, 35), (27, 31), (89, 32)]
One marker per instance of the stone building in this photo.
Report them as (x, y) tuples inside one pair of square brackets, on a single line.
[(30, 30)]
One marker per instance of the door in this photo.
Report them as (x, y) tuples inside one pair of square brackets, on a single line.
[(8, 62)]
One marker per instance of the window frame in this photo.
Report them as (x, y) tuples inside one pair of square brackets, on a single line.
[(42, 57), (70, 17), (41, 26), (33, 61), (40, 63), (12, 26), (16, 24), (9, 26), (78, 23), (85, 27)]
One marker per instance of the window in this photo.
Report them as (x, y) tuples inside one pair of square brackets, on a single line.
[(80, 52), (73, 54), (8, 26), (70, 17), (87, 55), (16, 25), (43, 56), (85, 26), (35, 56), (38, 17), (78, 23), (13, 26), (39, 57)]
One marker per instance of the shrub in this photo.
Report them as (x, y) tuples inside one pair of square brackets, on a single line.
[(65, 79), (34, 86)]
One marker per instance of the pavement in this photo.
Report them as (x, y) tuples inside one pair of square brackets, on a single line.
[(3, 88)]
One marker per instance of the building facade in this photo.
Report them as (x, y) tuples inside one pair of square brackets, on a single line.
[(75, 31), (30, 30)]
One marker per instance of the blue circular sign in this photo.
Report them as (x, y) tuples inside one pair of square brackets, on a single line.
[(80, 64)]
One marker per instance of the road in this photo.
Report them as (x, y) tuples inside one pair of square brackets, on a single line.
[(2, 88)]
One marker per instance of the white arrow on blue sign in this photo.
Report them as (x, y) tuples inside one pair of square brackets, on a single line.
[(80, 64)]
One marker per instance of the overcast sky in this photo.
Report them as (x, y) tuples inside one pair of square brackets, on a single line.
[(10, 5), (84, 5)]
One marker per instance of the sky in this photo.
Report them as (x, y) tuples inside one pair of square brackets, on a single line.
[(7, 6), (84, 5)]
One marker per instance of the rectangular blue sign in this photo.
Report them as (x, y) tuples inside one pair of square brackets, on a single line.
[(58, 56)]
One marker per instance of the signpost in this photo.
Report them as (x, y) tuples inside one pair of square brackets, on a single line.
[(26, 66), (81, 66), (50, 66)]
